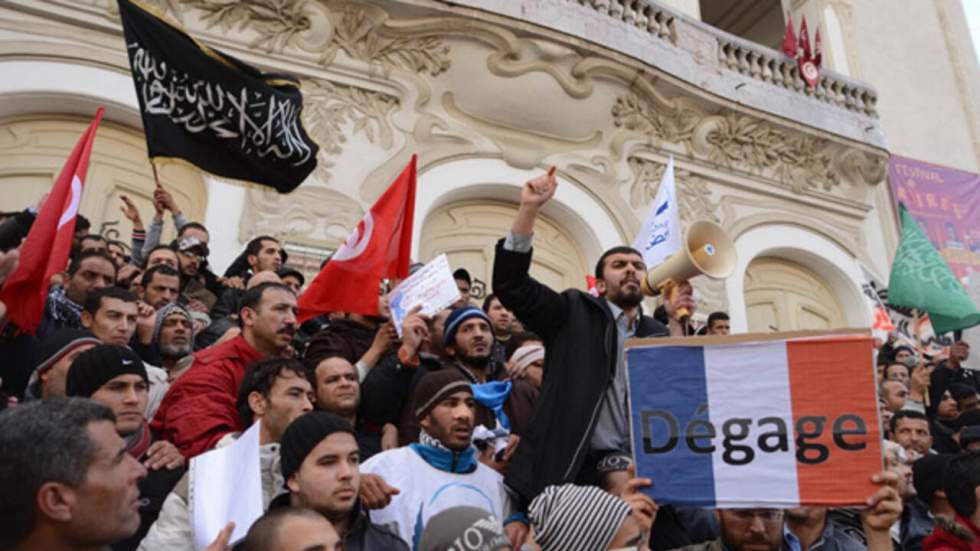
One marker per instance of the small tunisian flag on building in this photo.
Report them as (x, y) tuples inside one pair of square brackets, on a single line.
[(380, 247), (47, 246)]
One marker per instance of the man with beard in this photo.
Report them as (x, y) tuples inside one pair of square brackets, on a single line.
[(320, 465), (199, 409), (158, 287), (276, 392), (441, 470), (173, 334), (944, 425), (582, 414), (468, 341), (808, 529), (114, 377), (764, 529)]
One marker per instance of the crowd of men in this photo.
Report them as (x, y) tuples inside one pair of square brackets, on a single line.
[(483, 427)]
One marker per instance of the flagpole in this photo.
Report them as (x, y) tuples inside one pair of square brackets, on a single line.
[(918, 348), (156, 177)]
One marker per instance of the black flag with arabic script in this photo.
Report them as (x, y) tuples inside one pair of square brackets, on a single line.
[(212, 110)]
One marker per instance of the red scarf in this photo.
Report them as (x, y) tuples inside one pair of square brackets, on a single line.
[(140, 441)]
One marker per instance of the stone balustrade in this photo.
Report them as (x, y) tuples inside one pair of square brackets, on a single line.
[(741, 56), (768, 65), (643, 14)]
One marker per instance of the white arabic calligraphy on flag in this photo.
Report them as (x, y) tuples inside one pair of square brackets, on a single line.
[(262, 123)]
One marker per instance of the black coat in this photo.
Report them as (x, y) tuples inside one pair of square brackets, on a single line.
[(579, 335)]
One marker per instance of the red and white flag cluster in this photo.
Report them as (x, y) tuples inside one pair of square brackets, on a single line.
[(808, 60)]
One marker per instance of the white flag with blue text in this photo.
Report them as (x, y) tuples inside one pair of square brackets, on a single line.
[(661, 234)]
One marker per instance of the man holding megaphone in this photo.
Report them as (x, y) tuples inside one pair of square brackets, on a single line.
[(582, 413)]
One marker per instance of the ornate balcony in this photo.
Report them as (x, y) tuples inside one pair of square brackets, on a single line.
[(709, 58)]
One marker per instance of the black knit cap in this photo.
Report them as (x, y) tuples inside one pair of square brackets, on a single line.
[(435, 387), (303, 434), (98, 365), (927, 475)]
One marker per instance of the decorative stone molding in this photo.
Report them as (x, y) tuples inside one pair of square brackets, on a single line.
[(862, 166), (277, 23), (673, 123), (329, 106), (693, 191), (310, 212), (744, 142), (733, 140), (363, 38), (358, 31)]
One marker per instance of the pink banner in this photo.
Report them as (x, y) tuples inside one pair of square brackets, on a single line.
[(946, 204)]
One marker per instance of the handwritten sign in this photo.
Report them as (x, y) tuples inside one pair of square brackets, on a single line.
[(778, 420), (432, 287)]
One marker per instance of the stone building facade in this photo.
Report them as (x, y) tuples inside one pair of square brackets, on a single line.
[(491, 92)]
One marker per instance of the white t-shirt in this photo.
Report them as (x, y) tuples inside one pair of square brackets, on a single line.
[(426, 491)]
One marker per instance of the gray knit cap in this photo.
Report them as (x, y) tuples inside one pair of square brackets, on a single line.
[(573, 518), (463, 529), (165, 312)]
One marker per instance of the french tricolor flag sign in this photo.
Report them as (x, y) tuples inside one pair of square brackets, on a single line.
[(777, 421)]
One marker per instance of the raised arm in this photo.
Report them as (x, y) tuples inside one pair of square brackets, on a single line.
[(540, 308)]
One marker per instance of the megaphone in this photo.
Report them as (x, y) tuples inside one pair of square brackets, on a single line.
[(707, 250)]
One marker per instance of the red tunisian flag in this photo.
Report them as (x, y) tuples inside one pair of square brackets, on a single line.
[(47, 246), (380, 247), (789, 39)]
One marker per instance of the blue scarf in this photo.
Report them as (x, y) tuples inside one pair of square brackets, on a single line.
[(434, 453), (493, 395)]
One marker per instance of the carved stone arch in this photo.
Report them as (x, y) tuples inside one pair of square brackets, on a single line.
[(468, 232), (826, 231), (833, 264), (592, 224)]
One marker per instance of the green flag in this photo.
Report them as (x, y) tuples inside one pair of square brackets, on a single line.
[(921, 279)]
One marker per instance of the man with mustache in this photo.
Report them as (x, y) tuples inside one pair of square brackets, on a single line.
[(173, 335), (320, 465), (199, 408), (115, 377), (441, 470), (582, 415)]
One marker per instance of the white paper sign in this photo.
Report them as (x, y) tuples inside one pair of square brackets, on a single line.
[(226, 485), (432, 286)]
